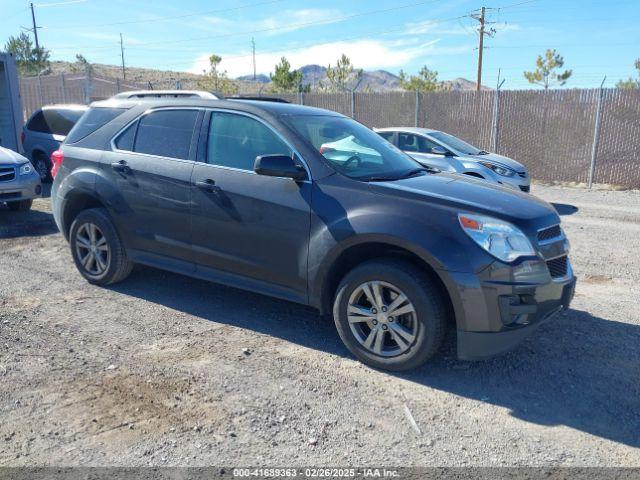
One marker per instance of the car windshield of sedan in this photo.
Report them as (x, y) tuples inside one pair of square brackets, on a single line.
[(456, 144), (354, 150)]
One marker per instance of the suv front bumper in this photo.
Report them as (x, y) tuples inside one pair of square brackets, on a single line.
[(497, 310)]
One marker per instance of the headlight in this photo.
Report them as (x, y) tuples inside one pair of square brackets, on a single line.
[(504, 171), (501, 239), (25, 169)]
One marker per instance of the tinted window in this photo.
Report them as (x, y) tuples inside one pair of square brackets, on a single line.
[(236, 140), (125, 140), (455, 143), (166, 133), (55, 121), (91, 121), (388, 136), (352, 149), (415, 143)]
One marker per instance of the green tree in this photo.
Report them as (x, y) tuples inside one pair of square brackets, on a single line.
[(82, 65), (285, 80), (425, 81), (631, 83), (342, 75), (217, 80), (547, 70), (29, 60)]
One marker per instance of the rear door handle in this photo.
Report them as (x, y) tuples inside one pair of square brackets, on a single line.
[(121, 167), (208, 185)]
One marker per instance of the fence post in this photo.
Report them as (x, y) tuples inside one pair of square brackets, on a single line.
[(178, 84), (117, 85), (596, 135), (40, 94), (301, 97), (496, 120), (87, 87), (63, 87), (353, 103), (417, 109)]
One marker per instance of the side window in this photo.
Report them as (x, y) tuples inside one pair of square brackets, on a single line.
[(236, 140), (408, 142), (388, 136), (126, 138), (38, 124), (425, 145), (166, 133)]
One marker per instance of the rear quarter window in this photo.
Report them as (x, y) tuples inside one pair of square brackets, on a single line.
[(91, 121)]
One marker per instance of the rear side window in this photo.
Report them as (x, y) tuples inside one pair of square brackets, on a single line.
[(166, 133), (388, 136), (55, 121), (92, 120), (236, 140)]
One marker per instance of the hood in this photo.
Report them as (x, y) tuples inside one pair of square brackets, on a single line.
[(9, 157), (495, 158), (466, 194)]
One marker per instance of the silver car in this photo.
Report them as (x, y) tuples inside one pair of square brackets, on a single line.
[(450, 154), (19, 182), (45, 131)]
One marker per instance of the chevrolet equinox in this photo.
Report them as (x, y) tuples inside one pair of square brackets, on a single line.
[(260, 196)]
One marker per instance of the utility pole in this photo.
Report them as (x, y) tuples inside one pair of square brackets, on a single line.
[(124, 73), (482, 30), (253, 49), (35, 27), (480, 49)]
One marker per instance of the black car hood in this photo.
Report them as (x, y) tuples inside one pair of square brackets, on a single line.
[(474, 196)]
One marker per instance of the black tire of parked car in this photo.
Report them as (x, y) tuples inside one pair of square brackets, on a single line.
[(423, 293), (21, 206), (42, 165), (118, 266)]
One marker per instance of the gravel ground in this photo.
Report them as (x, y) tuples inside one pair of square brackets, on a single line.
[(167, 370)]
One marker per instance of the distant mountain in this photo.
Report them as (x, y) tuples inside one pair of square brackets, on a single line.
[(372, 81), (260, 78)]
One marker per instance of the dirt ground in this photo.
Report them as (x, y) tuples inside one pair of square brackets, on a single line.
[(167, 370)]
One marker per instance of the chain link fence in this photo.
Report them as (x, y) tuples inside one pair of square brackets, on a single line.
[(578, 136)]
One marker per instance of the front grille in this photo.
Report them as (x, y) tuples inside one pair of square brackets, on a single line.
[(7, 173), (557, 267), (525, 188), (549, 233)]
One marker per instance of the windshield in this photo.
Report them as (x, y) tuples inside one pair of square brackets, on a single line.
[(456, 144), (352, 149)]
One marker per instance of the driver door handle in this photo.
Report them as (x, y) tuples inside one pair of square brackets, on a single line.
[(208, 185)]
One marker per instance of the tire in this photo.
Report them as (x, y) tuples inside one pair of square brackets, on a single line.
[(21, 206), (96, 248), (42, 165), (426, 322)]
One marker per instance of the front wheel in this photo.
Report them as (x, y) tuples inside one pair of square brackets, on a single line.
[(97, 249), (42, 165), (390, 314)]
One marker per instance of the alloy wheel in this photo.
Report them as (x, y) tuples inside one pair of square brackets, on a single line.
[(92, 249), (382, 318)]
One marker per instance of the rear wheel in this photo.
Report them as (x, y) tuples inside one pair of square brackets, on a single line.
[(21, 206), (96, 248), (42, 165), (390, 314)]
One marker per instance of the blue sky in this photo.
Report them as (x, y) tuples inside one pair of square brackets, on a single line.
[(596, 38)]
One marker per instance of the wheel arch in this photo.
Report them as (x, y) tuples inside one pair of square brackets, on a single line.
[(76, 202), (357, 253)]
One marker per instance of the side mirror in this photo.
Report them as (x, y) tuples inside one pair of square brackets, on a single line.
[(440, 151), (279, 166)]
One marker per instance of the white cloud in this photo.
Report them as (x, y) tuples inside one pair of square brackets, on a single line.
[(367, 54)]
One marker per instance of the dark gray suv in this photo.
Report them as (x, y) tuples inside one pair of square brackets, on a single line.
[(260, 196)]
